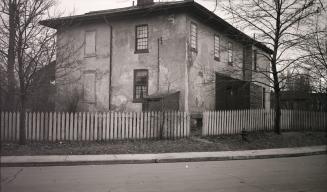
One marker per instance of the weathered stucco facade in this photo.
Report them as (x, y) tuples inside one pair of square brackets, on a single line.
[(104, 79)]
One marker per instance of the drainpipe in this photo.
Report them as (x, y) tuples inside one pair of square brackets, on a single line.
[(158, 67), (110, 63)]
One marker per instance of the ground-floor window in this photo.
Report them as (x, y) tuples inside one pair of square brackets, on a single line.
[(141, 78)]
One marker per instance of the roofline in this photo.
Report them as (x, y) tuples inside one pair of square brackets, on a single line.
[(188, 6)]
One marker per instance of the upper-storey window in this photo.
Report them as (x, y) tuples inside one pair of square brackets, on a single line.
[(217, 47), (194, 37), (255, 57), (230, 53), (90, 45), (141, 39)]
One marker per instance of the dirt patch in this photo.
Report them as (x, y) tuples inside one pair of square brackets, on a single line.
[(263, 140)]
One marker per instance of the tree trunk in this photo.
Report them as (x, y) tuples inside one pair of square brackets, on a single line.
[(162, 124), (277, 112), (22, 132), (11, 57)]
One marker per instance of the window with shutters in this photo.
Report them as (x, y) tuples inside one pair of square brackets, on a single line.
[(90, 44), (89, 86)]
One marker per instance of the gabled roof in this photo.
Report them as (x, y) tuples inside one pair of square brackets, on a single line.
[(187, 6)]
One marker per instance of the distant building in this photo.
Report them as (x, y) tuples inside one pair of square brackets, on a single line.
[(125, 57)]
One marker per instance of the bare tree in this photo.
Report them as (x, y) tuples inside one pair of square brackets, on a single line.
[(30, 46), (314, 45), (279, 25)]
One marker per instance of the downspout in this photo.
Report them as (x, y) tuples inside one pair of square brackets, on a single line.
[(110, 68), (158, 67), (110, 64)]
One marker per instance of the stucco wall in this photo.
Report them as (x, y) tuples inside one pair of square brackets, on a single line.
[(171, 27), (260, 75), (203, 66), (191, 73), (72, 64), (171, 57)]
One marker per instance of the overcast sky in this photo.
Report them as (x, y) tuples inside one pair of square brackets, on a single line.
[(83, 6)]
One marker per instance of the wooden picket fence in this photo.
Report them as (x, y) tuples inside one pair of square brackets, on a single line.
[(88, 126), (234, 121)]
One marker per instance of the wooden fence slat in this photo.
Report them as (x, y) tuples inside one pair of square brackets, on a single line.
[(54, 129), (107, 126), (18, 126), (13, 129), (75, 126), (181, 121), (10, 126), (115, 125), (41, 127), (71, 126), (63, 126), (112, 135), (83, 127), (184, 134), (2, 125), (51, 126), (33, 128), (46, 126), (37, 126), (124, 125), (95, 133), (66, 138), (137, 123), (133, 121), (6, 126), (104, 128)]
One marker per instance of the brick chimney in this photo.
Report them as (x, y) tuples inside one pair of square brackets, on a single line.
[(144, 2)]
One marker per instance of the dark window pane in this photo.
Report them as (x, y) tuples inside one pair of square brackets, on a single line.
[(140, 84)]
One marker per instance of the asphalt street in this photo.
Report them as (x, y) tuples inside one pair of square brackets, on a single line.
[(298, 174)]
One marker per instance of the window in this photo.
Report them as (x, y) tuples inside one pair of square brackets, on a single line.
[(230, 53), (89, 50), (141, 40), (217, 47), (140, 84), (194, 37), (254, 60), (89, 86)]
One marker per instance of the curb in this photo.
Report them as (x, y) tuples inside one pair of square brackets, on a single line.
[(74, 160)]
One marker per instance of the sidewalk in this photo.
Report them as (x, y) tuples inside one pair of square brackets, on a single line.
[(67, 160)]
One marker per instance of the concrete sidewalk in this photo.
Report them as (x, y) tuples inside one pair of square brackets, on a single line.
[(66, 160)]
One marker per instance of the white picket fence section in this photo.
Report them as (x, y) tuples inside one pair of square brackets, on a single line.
[(88, 126), (234, 121)]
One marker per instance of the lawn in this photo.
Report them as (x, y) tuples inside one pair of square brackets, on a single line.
[(261, 140)]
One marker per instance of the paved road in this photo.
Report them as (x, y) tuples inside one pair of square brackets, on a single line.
[(300, 174)]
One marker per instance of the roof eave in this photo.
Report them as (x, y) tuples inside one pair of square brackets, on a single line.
[(58, 22)]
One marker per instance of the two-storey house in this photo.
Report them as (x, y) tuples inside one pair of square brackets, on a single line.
[(120, 58)]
